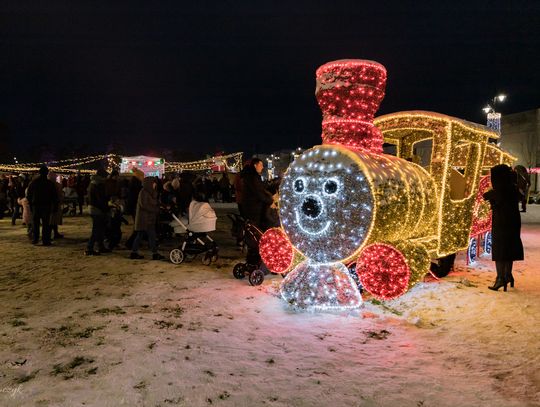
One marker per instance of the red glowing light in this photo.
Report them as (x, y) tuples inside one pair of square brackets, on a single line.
[(383, 270), (349, 93), (276, 251), (481, 212), (150, 162)]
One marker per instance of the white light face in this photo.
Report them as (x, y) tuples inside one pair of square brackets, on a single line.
[(325, 204)]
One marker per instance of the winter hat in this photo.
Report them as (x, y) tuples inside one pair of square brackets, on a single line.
[(43, 170)]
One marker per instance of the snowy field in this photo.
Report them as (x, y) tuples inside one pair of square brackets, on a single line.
[(109, 331)]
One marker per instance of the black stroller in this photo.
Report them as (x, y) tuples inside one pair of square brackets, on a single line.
[(250, 235), (202, 219)]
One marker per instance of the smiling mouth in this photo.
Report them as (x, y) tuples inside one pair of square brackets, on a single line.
[(310, 232)]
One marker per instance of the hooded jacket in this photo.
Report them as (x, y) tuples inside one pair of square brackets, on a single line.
[(147, 206), (97, 197)]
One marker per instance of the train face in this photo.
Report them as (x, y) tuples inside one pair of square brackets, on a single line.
[(326, 204), (334, 201)]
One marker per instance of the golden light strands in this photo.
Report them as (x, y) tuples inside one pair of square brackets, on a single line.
[(232, 162)]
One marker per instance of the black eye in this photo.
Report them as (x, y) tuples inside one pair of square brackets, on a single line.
[(299, 185), (330, 187)]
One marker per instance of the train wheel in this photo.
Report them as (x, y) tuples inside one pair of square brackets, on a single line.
[(383, 271)]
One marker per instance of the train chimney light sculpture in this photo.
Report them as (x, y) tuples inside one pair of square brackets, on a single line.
[(345, 205)]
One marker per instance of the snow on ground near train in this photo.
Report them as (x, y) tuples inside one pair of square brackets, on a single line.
[(108, 331)]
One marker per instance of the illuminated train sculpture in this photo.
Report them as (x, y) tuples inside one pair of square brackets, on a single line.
[(346, 202)]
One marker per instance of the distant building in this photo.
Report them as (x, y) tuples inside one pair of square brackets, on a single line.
[(276, 163), (521, 137)]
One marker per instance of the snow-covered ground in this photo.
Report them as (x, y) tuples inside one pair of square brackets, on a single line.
[(109, 331)]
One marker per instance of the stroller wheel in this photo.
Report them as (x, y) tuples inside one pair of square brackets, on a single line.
[(206, 259), (239, 271), (215, 257), (176, 256), (256, 277)]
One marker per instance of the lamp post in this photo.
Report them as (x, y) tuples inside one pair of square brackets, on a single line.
[(494, 118)]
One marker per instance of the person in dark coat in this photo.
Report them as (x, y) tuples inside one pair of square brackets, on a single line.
[(146, 218), (135, 186), (98, 206), (16, 192), (523, 184), (255, 197), (504, 198), (43, 201), (81, 187), (185, 192), (57, 216)]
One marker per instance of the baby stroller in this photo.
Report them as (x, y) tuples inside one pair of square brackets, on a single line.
[(202, 219), (252, 266)]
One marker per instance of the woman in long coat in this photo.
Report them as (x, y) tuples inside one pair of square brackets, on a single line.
[(57, 216), (146, 218), (506, 248)]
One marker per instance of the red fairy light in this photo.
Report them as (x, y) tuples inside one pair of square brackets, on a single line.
[(349, 94), (383, 271), (481, 211), (276, 251)]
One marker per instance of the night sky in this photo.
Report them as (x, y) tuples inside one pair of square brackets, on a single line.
[(240, 75)]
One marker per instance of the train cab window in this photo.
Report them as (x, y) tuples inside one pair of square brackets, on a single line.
[(390, 149), (422, 152), (463, 172)]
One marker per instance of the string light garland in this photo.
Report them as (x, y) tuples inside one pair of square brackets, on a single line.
[(67, 166), (232, 163)]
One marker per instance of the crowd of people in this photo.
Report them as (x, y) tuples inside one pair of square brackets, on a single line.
[(43, 200)]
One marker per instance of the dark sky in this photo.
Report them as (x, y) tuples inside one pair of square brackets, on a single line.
[(240, 75)]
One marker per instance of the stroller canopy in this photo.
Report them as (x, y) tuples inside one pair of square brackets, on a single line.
[(202, 218)]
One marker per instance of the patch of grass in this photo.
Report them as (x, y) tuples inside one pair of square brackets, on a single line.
[(92, 370), (140, 385), (225, 395), (383, 334), (375, 301), (108, 311), (66, 369), (17, 322), (176, 311), (26, 377), (161, 324)]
